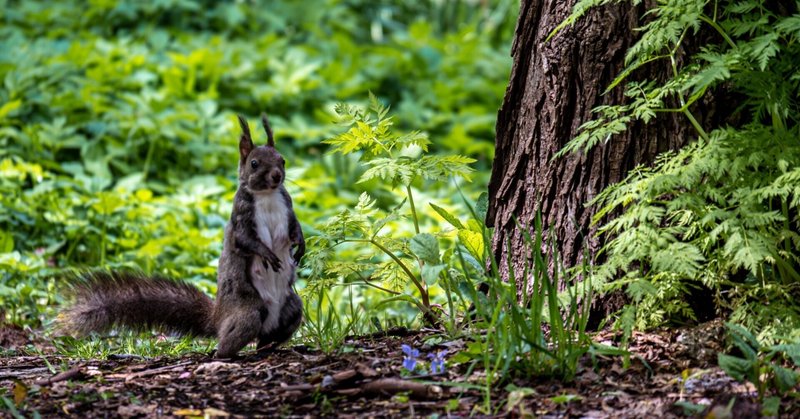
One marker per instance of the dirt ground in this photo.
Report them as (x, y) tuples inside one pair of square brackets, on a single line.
[(368, 381)]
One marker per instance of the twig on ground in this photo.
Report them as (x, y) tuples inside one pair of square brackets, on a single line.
[(74, 372)]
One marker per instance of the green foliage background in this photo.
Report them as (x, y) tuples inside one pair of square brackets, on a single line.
[(118, 137)]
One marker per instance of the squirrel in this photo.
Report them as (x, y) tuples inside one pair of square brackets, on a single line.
[(255, 294)]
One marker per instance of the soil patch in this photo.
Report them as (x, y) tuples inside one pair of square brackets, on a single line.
[(367, 379)]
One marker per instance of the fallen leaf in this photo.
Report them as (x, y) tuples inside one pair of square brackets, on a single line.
[(188, 412), (20, 392)]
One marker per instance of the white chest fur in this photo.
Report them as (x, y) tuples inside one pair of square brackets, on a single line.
[(272, 220), (272, 227)]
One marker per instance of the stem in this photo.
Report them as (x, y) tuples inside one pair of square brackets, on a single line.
[(366, 282), (715, 11), (450, 304), (696, 124), (149, 158), (72, 246), (423, 292), (718, 28), (678, 44), (414, 217), (413, 208), (785, 213), (684, 108)]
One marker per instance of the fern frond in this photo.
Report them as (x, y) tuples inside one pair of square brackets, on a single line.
[(395, 170), (444, 167)]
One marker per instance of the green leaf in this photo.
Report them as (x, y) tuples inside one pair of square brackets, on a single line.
[(402, 297), (482, 206), (430, 273), (737, 368), (690, 409), (444, 167), (365, 204), (473, 241), (450, 218), (392, 275), (426, 247), (9, 107), (790, 25), (785, 378), (744, 340), (565, 398), (6, 242), (771, 406), (765, 48), (717, 69), (107, 203), (399, 170), (790, 350), (681, 258)]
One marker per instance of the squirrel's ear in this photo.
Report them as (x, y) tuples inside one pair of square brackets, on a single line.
[(245, 141), (268, 129)]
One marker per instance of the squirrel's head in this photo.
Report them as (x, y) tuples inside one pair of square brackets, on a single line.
[(262, 168)]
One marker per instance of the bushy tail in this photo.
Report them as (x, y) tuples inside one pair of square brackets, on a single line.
[(135, 301)]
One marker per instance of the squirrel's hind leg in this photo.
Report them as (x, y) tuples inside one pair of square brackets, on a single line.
[(291, 316), (237, 330)]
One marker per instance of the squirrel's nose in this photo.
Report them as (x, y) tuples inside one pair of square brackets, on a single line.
[(276, 177)]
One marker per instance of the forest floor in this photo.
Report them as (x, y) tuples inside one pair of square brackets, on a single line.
[(367, 379)]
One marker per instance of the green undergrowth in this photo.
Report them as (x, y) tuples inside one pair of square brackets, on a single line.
[(131, 344), (119, 151), (543, 334), (118, 134), (723, 213)]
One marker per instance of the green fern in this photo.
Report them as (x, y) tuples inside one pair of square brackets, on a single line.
[(723, 211)]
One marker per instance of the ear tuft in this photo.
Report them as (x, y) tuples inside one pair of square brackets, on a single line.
[(245, 127), (245, 141), (268, 129)]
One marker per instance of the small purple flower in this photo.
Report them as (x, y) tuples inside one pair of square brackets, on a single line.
[(409, 363), (437, 362), (410, 360)]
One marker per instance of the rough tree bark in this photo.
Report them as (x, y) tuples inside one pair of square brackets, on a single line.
[(554, 85)]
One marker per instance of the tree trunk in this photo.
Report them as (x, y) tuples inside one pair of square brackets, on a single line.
[(553, 88)]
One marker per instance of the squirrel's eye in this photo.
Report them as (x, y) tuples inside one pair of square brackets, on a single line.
[(254, 163)]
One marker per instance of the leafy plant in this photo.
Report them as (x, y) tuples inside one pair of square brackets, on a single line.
[(763, 366), (324, 327), (723, 211), (117, 127), (541, 334), (398, 161)]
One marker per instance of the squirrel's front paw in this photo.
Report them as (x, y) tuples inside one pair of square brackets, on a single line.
[(271, 259), (297, 256)]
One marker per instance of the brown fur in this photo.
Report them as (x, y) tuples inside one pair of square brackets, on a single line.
[(132, 300)]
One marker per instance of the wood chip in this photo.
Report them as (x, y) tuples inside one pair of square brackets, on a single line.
[(154, 371), (395, 385), (344, 375), (74, 372), (348, 391), (296, 387), (366, 371)]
